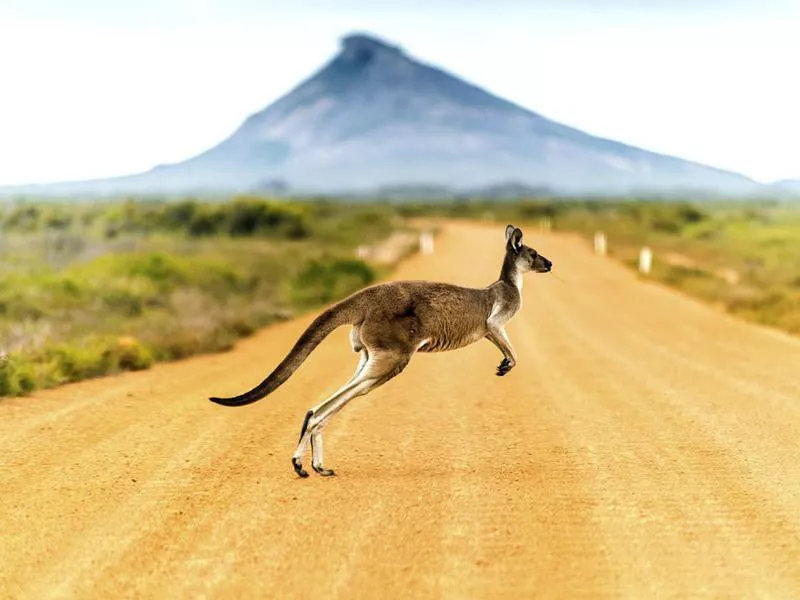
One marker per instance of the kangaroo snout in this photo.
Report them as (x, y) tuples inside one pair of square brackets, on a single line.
[(543, 265)]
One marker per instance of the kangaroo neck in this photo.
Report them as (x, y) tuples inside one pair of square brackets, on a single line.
[(510, 273)]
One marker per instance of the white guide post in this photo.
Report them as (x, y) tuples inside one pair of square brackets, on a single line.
[(645, 260), (600, 243), (426, 243)]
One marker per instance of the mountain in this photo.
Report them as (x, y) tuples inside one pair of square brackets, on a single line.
[(785, 189), (374, 117), (792, 185)]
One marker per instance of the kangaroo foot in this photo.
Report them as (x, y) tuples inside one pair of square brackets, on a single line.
[(298, 467), (323, 471)]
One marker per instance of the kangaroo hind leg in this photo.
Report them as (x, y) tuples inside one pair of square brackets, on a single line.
[(305, 431), (305, 434), (379, 368)]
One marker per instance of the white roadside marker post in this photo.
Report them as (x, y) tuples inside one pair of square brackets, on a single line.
[(600, 243), (645, 260), (426, 243)]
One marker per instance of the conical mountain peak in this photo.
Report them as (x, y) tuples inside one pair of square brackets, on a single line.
[(363, 47), (373, 116)]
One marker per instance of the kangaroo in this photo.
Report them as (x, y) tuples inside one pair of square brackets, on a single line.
[(392, 321)]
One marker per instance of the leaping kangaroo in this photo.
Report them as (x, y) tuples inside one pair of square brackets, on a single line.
[(391, 321)]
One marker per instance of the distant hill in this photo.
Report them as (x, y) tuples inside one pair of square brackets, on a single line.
[(789, 184), (374, 117)]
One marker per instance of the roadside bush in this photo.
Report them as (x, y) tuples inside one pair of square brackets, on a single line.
[(248, 216), (123, 301), (86, 360), (183, 342), (17, 376), (769, 307), (164, 270), (206, 221), (536, 209), (93, 357), (323, 281), (178, 215), (23, 218), (130, 355), (673, 218)]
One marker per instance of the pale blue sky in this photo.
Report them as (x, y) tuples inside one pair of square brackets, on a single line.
[(91, 88)]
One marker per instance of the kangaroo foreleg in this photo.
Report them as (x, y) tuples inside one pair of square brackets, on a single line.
[(499, 337)]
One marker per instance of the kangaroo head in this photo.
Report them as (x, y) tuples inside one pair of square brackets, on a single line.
[(524, 257)]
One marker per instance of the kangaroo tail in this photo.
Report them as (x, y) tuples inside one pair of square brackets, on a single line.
[(324, 324)]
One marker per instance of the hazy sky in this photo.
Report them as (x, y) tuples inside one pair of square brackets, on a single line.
[(92, 88)]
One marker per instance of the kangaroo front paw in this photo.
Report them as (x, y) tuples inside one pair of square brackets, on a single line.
[(298, 467), (504, 367)]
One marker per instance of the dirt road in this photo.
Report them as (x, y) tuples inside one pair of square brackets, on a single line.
[(645, 446)]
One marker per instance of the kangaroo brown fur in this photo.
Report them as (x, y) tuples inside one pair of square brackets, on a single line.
[(391, 321)]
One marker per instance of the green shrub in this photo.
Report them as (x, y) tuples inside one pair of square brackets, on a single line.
[(250, 216), (23, 218), (130, 355), (323, 281), (185, 342), (123, 301), (536, 209), (92, 357), (85, 360), (205, 222), (162, 269), (17, 376), (769, 307), (178, 215)]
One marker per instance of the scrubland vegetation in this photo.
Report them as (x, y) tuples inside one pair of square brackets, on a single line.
[(88, 289)]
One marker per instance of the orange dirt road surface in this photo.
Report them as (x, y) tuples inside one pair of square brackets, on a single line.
[(644, 446)]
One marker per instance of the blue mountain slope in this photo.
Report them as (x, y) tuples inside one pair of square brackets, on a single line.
[(373, 116)]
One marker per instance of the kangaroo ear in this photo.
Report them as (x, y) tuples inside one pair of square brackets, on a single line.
[(513, 237)]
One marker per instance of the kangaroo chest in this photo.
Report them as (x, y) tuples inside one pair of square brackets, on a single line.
[(503, 310)]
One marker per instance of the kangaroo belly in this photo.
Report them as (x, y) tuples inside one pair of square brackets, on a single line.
[(445, 343)]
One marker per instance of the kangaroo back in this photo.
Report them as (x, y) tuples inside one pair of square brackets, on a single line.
[(339, 314)]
